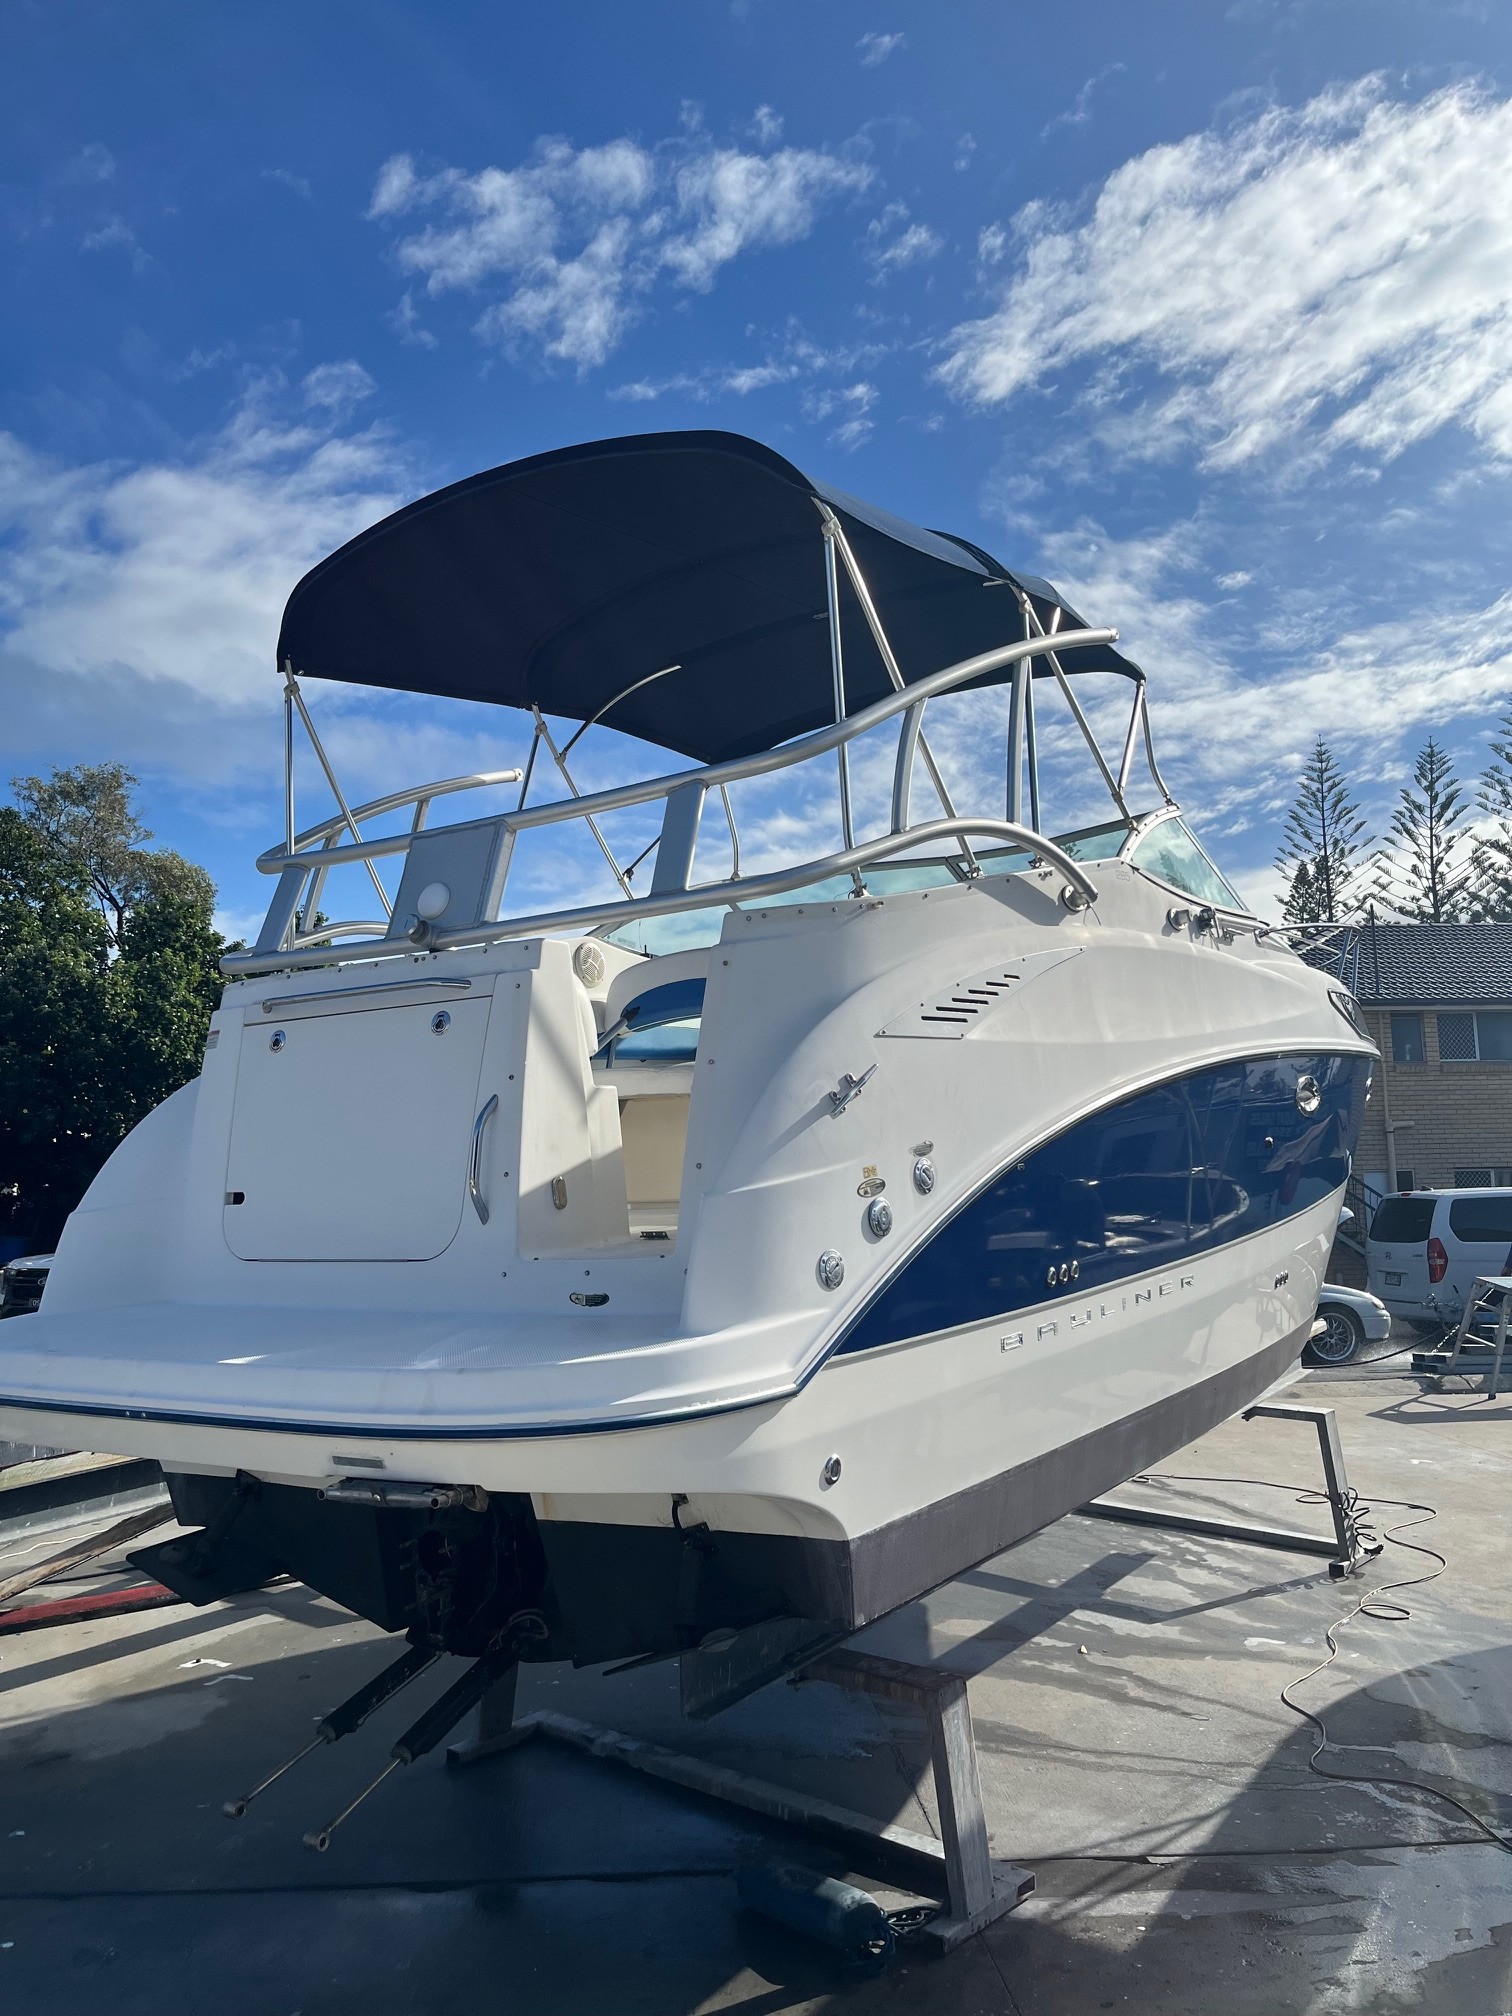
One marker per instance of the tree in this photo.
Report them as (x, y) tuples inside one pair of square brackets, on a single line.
[(97, 1024), (1301, 906), (54, 955), (87, 817), (1325, 834), (1491, 856), (1426, 882)]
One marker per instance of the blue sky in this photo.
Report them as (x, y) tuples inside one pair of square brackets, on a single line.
[(1204, 312)]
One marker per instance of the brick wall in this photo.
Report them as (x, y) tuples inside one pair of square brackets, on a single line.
[(1461, 1114)]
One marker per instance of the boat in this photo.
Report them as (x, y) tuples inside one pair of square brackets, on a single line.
[(710, 1258)]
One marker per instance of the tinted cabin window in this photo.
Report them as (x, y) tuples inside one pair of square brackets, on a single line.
[(1481, 1221), (1405, 1221), (1142, 1185), (1406, 1039)]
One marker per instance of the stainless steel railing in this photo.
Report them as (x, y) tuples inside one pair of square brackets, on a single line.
[(303, 867)]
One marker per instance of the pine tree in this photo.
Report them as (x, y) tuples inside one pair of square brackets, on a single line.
[(1325, 834), (1491, 856), (1301, 906), (1427, 881)]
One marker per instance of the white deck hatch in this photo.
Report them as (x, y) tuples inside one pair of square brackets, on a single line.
[(351, 1136)]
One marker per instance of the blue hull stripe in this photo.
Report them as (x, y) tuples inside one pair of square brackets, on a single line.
[(1175, 1171)]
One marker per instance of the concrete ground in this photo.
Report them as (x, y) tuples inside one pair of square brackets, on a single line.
[(1135, 1754)]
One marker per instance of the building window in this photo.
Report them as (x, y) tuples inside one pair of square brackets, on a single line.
[(1404, 1180), (1407, 1039), (1498, 1177), (1465, 1038)]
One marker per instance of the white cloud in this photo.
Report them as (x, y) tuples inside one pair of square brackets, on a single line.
[(876, 48), (1362, 686), (853, 402), (740, 201), (92, 163), (892, 243), (992, 245), (966, 146), (1080, 110), (116, 235), (160, 587), (766, 125), (1342, 273), (715, 381), (407, 326), (795, 356), (578, 238), (337, 388), (396, 187), (287, 179)]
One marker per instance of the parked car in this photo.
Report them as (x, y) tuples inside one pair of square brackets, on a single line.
[(1425, 1248), (22, 1282), (1353, 1318)]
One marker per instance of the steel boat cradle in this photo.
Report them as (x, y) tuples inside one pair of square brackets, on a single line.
[(708, 1267)]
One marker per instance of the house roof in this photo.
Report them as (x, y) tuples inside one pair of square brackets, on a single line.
[(1435, 965)]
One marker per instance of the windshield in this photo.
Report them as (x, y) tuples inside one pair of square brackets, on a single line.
[(689, 930), (1171, 853)]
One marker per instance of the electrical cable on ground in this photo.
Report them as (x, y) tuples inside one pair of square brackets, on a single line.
[(1357, 1509)]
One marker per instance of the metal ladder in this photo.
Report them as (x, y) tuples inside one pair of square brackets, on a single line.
[(1490, 1293)]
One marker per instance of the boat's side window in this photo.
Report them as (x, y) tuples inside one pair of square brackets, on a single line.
[(1169, 853), (1147, 1183), (661, 1026)]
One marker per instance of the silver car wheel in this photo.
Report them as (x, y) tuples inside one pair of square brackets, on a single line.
[(1340, 1339)]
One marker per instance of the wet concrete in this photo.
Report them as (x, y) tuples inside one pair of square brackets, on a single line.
[(1135, 1754)]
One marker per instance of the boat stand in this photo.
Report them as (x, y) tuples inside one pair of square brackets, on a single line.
[(1490, 1296), (976, 1889), (1345, 1553)]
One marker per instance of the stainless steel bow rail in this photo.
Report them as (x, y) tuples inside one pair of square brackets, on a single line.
[(1346, 1552)]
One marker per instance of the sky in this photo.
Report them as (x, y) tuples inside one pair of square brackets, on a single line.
[(1203, 312)]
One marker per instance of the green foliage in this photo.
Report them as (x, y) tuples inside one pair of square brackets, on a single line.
[(1426, 881), (87, 817), (108, 977), (1324, 834), (1491, 856), (1302, 899)]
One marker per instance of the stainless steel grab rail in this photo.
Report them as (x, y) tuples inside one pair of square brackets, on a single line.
[(475, 1166), (744, 894), (279, 1002)]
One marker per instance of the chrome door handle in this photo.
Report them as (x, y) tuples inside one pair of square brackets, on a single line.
[(475, 1166)]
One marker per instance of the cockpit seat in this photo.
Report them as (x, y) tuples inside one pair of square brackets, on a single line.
[(652, 1017)]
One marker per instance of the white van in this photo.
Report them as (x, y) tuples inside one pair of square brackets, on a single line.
[(1425, 1248)]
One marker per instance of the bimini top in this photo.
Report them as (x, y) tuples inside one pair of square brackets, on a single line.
[(563, 580)]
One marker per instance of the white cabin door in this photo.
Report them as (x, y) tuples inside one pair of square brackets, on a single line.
[(352, 1132)]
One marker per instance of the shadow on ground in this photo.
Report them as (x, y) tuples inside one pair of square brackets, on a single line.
[(541, 1881)]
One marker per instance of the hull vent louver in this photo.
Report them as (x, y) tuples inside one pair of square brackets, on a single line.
[(959, 1009)]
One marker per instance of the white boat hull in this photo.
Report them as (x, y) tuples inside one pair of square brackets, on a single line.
[(616, 1393)]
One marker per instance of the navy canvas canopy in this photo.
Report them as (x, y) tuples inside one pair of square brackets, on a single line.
[(561, 580)]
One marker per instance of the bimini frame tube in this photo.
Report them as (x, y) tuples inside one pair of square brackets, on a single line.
[(292, 692), (913, 726), (837, 673)]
